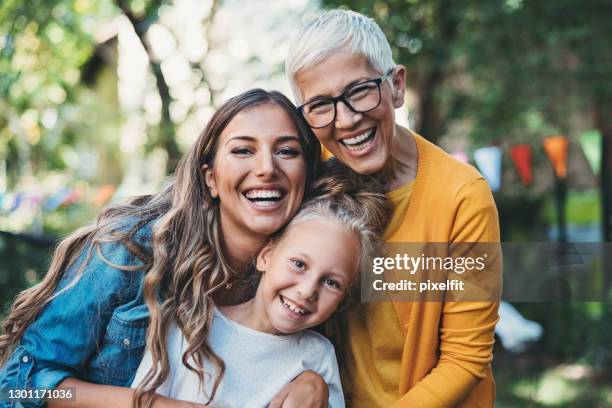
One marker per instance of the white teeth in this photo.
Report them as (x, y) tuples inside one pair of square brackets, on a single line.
[(263, 204), (253, 194), (358, 139), (293, 307), (360, 142)]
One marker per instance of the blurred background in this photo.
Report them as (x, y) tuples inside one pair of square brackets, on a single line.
[(99, 99)]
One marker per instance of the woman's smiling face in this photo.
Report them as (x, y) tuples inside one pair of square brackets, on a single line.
[(363, 141), (258, 172)]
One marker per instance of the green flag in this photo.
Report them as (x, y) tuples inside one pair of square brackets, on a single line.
[(591, 146)]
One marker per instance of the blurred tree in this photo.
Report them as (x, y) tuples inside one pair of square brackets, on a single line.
[(49, 55), (424, 37), (512, 70)]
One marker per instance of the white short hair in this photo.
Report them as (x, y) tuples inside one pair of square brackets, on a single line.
[(334, 31)]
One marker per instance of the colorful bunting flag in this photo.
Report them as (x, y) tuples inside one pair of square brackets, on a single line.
[(590, 141), (521, 157), (489, 159), (103, 195), (461, 156), (556, 149), (57, 199)]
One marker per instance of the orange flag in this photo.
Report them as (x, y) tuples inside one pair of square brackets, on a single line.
[(556, 149)]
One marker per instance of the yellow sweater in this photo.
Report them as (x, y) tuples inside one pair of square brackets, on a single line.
[(447, 348), (373, 341)]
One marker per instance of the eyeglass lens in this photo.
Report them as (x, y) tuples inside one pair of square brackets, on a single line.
[(360, 98)]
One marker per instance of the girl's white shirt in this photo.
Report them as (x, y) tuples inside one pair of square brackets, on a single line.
[(257, 365)]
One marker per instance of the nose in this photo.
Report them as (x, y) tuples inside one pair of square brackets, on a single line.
[(308, 289), (345, 117), (266, 166)]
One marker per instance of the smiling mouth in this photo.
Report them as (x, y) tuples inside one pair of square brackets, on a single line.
[(264, 197), (292, 307), (361, 141)]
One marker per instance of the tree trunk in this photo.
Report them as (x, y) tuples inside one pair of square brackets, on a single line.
[(430, 124), (603, 122), (166, 127)]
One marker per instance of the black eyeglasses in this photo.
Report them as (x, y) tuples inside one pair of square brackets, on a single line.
[(359, 98)]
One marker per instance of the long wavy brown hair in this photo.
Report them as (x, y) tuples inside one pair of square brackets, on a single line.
[(186, 264)]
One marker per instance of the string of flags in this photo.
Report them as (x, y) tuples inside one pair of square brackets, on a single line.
[(489, 159), (10, 202)]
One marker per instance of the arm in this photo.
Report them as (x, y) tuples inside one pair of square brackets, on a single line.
[(466, 328), (69, 329), (331, 375), (89, 395), (306, 390)]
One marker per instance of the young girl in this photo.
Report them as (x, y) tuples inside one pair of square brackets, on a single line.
[(306, 269), (85, 325)]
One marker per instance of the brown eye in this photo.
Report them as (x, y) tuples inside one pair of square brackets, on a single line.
[(241, 151), (319, 107), (360, 91), (288, 152)]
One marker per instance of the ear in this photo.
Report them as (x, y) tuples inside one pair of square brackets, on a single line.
[(209, 179), (399, 85), (264, 256)]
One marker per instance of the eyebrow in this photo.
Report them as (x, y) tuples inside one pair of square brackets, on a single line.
[(280, 139), (347, 86)]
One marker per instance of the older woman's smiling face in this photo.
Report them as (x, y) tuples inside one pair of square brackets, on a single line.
[(258, 173), (363, 141)]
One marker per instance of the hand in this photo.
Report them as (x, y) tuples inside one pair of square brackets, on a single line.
[(307, 390)]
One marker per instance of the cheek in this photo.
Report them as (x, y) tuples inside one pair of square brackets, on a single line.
[(278, 277), (296, 172), (329, 301), (324, 134)]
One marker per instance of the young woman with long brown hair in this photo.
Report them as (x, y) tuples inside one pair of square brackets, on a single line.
[(116, 285)]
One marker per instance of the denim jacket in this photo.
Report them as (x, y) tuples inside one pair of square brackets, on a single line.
[(94, 330)]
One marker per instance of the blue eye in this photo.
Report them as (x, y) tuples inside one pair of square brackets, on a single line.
[(331, 282), (299, 264)]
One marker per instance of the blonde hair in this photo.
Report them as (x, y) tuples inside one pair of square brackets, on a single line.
[(358, 203), (186, 265), (355, 201), (332, 32)]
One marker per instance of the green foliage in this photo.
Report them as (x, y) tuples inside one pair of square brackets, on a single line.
[(23, 263), (515, 70)]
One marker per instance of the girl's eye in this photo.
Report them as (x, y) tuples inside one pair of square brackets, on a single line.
[(332, 283), (298, 264), (241, 151), (288, 152)]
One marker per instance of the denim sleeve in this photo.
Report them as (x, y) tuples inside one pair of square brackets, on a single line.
[(70, 328)]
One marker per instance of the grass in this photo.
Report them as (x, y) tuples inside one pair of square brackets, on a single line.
[(538, 380)]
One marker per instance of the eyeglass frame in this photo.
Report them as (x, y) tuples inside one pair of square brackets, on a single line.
[(342, 97)]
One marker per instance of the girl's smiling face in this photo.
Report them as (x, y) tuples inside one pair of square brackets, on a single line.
[(305, 275), (258, 173)]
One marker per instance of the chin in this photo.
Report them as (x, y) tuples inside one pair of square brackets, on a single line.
[(367, 167), (266, 227)]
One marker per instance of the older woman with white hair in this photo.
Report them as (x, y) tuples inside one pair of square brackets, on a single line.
[(400, 354)]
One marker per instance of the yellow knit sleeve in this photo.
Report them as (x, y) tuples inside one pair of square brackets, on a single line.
[(466, 328)]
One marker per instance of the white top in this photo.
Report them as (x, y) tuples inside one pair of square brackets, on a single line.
[(257, 365)]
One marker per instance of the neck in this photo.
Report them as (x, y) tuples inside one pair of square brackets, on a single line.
[(402, 164), (251, 314), (240, 248)]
